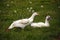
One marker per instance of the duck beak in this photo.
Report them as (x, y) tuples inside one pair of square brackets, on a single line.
[(50, 18), (37, 14)]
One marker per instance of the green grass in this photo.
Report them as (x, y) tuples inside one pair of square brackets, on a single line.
[(7, 16)]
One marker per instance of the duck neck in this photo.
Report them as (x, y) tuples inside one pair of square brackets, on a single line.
[(46, 21), (32, 17)]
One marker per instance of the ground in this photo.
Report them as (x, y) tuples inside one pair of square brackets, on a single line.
[(11, 10)]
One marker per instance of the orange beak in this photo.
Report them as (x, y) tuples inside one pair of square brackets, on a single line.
[(37, 14)]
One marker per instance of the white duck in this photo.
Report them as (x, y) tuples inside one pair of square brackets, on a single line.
[(23, 22), (41, 24)]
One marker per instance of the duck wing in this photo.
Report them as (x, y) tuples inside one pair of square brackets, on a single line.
[(24, 21)]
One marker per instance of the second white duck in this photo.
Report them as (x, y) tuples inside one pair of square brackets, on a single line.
[(42, 24)]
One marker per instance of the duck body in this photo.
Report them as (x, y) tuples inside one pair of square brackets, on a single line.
[(23, 22), (42, 24), (39, 24)]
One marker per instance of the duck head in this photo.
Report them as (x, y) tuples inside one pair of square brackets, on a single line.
[(48, 17), (35, 13)]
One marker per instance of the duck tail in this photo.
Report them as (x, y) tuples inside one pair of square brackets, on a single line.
[(11, 26)]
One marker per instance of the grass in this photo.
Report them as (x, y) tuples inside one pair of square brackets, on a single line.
[(7, 16)]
